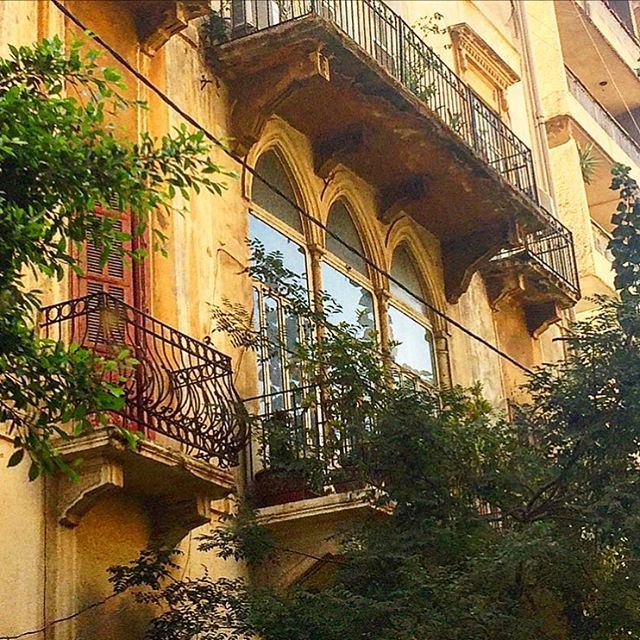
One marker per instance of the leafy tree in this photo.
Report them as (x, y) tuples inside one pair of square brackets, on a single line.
[(61, 161), (500, 529)]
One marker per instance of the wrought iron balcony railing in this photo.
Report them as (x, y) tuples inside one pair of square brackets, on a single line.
[(303, 426), (552, 248), (402, 53), (175, 385)]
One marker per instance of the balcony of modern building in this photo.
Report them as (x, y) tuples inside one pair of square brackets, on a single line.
[(370, 94), (602, 141), (603, 260), (601, 48), (178, 397), (617, 137)]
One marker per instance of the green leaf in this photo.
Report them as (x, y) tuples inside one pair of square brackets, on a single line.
[(16, 458)]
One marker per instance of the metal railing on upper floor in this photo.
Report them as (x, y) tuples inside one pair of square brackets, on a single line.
[(624, 18), (402, 53), (552, 248), (608, 123), (601, 240), (173, 385)]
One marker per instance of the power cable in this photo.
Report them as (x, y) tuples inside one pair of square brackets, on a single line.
[(241, 161), (71, 616), (606, 67)]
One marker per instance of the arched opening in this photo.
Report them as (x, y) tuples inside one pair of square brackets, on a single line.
[(275, 224), (410, 330), (345, 276)]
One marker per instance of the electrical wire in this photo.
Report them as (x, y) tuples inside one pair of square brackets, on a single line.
[(241, 161), (71, 616), (606, 68)]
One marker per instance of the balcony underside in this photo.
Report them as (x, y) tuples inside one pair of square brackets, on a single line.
[(593, 56), (176, 489), (520, 277), (356, 114), (312, 528)]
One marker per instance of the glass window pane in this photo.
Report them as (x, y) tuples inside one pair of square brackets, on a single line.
[(341, 224), (404, 271), (415, 348), (274, 365), (293, 256), (271, 169), (355, 301)]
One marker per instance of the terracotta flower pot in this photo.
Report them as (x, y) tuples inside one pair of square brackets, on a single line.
[(272, 487)]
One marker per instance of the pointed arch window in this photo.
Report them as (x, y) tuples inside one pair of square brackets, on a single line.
[(276, 225), (408, 323), (345, 275)]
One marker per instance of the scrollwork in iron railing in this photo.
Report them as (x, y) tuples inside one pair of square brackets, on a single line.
[(176, 386), (386, 38)]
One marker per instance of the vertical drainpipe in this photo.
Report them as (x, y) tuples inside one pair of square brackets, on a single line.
[(531, 78), (531, 82)]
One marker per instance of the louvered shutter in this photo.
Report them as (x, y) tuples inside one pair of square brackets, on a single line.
[(115, 278)]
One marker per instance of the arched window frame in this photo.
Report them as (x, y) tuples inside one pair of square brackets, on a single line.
[(270, 218), (365, 281), (271, 403), (421, 318)]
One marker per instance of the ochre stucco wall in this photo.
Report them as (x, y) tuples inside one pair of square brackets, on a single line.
[(207, 253)]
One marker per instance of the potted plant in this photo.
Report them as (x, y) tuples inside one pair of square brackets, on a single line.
[(349, 474), (287, 476)]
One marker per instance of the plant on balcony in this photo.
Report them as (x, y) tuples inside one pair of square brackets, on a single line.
[(290, 470), (62, 159), (217, 28), (555, 557), (589, 162)]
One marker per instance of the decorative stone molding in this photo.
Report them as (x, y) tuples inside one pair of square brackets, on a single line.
[(156, 29), (469, 47), (98, 478), (176, 489)]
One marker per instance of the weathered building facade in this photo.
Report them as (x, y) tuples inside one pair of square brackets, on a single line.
[(466, 172)]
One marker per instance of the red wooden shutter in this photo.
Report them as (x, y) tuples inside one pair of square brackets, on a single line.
[(115, 277)]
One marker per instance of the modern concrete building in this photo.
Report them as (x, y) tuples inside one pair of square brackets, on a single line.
[(471, 166)]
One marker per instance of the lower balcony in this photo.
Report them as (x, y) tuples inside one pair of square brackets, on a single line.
[(541, 274), (179, 396), (309, 481)]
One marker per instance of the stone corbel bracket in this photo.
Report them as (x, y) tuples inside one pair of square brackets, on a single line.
[(172, 521), (156, 30), (99, 477), (258, 97)]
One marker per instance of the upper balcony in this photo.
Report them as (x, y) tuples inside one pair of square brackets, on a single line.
[(542, 273), (371, 95), (178, 394), (608, 132), (602, 51)]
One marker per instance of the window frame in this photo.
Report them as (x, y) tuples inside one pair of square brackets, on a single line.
[(260, 289), (346, 269), (420, 318)]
